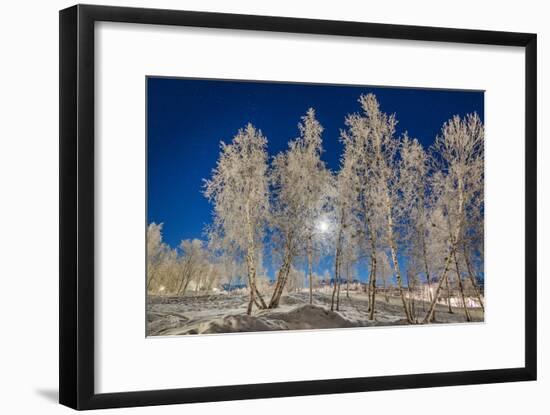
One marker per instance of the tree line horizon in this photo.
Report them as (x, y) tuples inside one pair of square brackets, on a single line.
[(405, 214)]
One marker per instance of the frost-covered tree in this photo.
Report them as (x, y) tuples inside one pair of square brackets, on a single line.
[(413, 187), (159, 257), (358, 188), (371, 144), (438, 237), (470, 250), (343, 200), (385, 145), (300, 184), (239, 191), (171, 271), (459, 155), (190, 264)]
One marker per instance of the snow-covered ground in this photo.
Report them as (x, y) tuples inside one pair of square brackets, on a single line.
[(226, 313)]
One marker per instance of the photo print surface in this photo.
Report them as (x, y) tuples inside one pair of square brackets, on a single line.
[(290, 206)]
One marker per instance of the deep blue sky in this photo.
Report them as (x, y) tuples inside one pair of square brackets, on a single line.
[(187, 118)]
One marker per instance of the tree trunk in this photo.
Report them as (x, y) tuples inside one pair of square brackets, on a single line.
[(422, 233), (423, 298), (372, 285), (309, 269), (461, 288), (251, 262), (429, 278), (251, 279), (426, 267), (337, 259), (252, 299), (347, 279), (336, 266), (368, 290), (372, 273), (185, 286), (471, 276), (394, 259), (150, 279), (199, 283), (453, 240), (339, 282), (410, 290), (335, 301), (282, 276), (183, 282), (430, 314), (449, 291), (260, 297), (185, 278)]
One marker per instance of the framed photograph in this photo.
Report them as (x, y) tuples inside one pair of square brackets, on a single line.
[(257, 207)]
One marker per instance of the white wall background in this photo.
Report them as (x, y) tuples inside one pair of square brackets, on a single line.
[(29, 208)]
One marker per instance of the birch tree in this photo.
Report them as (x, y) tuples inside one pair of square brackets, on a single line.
[(372, 137), (158, 255), (300, 183), (385, 146), (343, 201), (413, 186), (471, 246), (190, 264), (239, 192), (360, 175), (459, 156)]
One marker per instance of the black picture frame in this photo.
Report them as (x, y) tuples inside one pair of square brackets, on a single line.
[(76, 278)]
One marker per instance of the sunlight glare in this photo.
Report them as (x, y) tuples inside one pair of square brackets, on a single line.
[(323, 226)]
